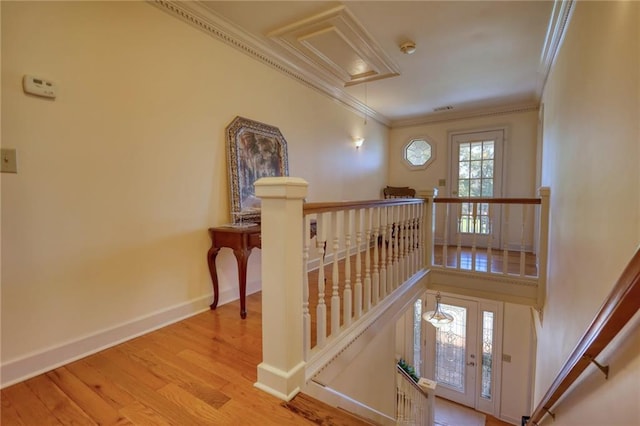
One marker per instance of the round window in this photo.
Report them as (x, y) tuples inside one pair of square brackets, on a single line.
[(418, 153)]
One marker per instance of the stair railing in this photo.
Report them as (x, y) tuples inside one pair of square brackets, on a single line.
[(619, 307), (414, 406), (307, 322)]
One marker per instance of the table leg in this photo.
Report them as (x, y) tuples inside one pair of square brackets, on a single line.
[(242, 257), (211, 260)]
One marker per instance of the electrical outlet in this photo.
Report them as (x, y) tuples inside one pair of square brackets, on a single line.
[(8, 162), (506, 358), (442, 182)]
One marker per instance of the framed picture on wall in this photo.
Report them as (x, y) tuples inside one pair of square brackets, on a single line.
[(254, 150)]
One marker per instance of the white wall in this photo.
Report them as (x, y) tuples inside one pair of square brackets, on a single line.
[(120, 176), (590, 157), (516, 382), (520, 152), (370, 378), (519, 170)]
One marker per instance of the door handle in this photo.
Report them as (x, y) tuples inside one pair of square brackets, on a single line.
[(471, 363)]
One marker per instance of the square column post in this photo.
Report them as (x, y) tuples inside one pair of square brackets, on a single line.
[(282, 371)]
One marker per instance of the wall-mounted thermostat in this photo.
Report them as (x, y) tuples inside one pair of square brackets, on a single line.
[(38, 86)]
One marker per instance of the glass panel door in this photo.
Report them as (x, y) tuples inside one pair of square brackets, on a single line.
[(454, 351), (476, 165)]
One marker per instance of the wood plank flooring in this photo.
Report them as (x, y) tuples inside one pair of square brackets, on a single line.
[(199, 371)]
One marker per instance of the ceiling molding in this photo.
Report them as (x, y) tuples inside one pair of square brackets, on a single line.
[(558, 23), (336, 41), (198, 15), (442, 117)]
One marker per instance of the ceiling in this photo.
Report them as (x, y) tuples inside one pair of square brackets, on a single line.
[(470, 55)]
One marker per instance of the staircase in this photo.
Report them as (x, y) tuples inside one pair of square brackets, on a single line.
[(322, 414)]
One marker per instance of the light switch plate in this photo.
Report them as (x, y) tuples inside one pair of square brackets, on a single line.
[(8, 162), (442, 182)]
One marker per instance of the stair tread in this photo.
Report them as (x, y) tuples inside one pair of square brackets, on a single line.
[(322, 414)]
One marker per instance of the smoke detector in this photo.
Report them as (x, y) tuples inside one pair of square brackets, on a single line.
[(408, 47)]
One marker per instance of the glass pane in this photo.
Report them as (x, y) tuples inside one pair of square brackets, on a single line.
[(484, 225), (463, 188), (417, 324), (475, 189), (476, 169), (463, 172), (418, 152), (476, 151), (483, 209), (487, 353), (465, 208), (487, 169), (450, 349), (465, 153), (487, 150), (487, 188)]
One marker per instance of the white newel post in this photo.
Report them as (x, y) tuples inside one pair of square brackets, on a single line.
[(282, 370), (429, 224), (544, 193)]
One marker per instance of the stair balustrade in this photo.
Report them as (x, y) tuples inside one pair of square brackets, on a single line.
[(414, 405)]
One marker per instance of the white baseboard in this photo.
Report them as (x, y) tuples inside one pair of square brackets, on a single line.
[(44, 360), (336, 399)]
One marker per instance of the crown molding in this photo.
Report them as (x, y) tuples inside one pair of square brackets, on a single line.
[(464, 114), (558, 23), (196, 14)]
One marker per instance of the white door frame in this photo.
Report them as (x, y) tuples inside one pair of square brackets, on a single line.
[(490, 406), (500, 135)]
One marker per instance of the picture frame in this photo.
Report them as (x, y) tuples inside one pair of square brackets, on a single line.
[(254, 150)]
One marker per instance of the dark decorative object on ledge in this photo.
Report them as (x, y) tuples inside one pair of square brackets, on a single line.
[(408, 369), (254, 150)]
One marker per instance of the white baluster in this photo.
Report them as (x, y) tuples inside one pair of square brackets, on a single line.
[(367, 260), (321, 308), (522, 237), (383, 248), (459, 235), (358, 286), (490, 241), (505, 239), (306, 315), (401, 249), (474, 217), (375, 281), (346, 295), (445, 245), (335, 278)]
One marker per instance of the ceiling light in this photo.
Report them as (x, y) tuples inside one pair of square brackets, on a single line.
[(408, 47), (358, 142), (437, 317)]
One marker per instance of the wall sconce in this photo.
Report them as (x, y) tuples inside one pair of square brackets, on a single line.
[(358, 142)]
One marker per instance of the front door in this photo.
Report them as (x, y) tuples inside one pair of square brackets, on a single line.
[(476, 171), (460, 356)]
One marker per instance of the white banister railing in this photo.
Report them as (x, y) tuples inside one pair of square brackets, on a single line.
[(388, 253), (414, 405), (315, 297), (502, 238)]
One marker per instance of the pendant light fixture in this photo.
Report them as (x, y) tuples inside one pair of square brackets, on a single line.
[(437, 317)]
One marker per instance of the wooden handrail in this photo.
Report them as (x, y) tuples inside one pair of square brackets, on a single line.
[(413, 383), (310, 208), (489, 200), (623, 302)]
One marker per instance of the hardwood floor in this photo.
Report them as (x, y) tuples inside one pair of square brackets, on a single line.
[(199, 371), (195, 372)]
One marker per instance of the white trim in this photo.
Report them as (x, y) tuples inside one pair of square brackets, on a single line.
[(558, 23), (195, 13), (336, 399), (464, 114), (44, 360)]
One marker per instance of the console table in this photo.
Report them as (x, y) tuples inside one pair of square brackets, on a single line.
[(241, 241)]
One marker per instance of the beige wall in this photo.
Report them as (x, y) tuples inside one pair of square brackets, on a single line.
[(590, 157), (121, 175), (519, 161)]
